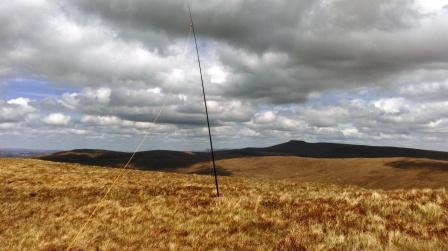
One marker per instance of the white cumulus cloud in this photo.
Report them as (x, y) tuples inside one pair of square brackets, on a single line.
[(57, 119)]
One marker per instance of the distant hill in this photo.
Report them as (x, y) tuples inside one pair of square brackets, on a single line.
[(147, 160), (19, 152), (345, 164), (335, 150), (172, 160)]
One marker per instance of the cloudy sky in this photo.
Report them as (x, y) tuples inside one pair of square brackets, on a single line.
[(94, 74)]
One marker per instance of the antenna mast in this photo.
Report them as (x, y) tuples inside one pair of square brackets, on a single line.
[(205, 103)]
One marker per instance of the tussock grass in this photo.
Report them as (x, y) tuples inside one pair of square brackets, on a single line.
[(44, 204)]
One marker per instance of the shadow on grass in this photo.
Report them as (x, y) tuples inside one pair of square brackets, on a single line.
[(208, 170), (418, 164)]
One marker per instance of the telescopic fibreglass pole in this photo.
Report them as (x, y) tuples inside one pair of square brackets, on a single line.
[(205, 104)]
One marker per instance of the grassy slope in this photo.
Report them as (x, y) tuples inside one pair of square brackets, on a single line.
[(377, 173), (44, 204)]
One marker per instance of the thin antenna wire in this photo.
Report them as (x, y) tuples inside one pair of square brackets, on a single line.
[(125, 169), (205, 102)]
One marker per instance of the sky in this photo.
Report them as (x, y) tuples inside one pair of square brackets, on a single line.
[(95, 74)]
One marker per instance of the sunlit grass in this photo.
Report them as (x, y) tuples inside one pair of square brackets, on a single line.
[(44, 204)]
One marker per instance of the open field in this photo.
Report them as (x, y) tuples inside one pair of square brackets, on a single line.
[(44, 204), (377, 173)]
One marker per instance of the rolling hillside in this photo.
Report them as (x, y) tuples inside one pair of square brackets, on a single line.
[(45, 204), (335, 150), (378, 173), (367, 166), (169, 160), (149, 160)]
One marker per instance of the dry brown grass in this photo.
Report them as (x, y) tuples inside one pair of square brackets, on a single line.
[(44, 204), (377, 173)]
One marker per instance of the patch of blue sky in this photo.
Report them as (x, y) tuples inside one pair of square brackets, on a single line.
[(31, 88), (329, 98)]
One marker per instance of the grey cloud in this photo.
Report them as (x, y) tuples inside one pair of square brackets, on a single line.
[(363, 122), (243, 21), (127, 58), (14, 110), (143, 105), (405, 121), (426, 91), (46, 41), (276, 52), (255, 24)]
